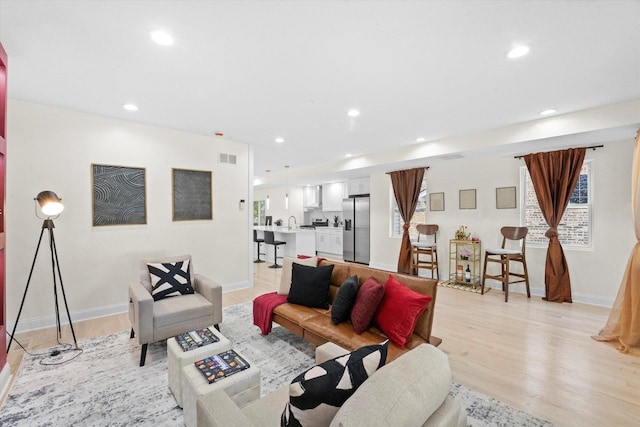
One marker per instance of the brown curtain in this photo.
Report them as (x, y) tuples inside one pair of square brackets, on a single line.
[(554, 176), (623, 326), (406, 188)]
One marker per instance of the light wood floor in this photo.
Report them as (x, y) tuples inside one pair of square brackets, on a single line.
[(530, 354)]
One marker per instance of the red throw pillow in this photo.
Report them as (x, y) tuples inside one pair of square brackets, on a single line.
[(399, 311), (367, 301)]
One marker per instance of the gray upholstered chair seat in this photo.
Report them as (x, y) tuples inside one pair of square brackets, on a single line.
[(173, 310), (153, 321)]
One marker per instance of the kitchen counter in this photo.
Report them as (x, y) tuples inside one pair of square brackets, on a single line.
[(282, 229), (300, 241)]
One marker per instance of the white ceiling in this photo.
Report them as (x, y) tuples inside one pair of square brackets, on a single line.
[(256, 70)]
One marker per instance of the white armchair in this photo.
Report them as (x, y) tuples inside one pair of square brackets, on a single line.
[(153, 320)]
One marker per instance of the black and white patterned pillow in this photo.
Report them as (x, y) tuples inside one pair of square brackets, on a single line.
[(170, 279), (316, 395)]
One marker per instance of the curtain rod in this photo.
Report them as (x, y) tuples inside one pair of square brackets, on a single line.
[(591, 147), (425, 168)]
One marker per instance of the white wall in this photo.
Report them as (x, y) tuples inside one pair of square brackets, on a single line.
[(595, 274), (276, 202), (53, 149)]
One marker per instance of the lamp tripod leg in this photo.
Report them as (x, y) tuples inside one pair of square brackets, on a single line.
[(54, 257), (26, 288)]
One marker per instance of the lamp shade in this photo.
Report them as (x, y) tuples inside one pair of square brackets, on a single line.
[(50, 203)]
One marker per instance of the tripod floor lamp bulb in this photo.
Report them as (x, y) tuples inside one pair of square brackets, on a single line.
[(50, 203)]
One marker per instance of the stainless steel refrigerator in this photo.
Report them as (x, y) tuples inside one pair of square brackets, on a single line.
[(355, 235)]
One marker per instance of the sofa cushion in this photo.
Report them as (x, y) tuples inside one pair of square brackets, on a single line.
[(399, 310), (343, 333), (343, 302), (310, 286), (170, 279), (316, 395), (419, 382), (367, 300), (287, 263)]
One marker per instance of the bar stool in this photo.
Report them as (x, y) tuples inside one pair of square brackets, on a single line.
[(426, 249), (270, 240), (258, 241), (505, 256)]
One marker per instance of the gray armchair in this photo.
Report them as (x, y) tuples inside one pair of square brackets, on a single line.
[(153, 320)]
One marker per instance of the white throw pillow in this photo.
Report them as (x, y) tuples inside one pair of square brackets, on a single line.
[(287, 268)]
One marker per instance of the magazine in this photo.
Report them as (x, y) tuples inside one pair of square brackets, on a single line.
[(195, 339), (220, 366)]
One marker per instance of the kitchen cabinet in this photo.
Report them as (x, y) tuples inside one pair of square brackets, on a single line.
[(358, 186), (329, 240), (311, 196), (332, 195)]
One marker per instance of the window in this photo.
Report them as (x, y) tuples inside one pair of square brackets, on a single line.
[(575, 229), (419, 217)]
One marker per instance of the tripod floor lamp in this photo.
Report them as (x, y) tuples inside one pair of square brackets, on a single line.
[(51, 206)]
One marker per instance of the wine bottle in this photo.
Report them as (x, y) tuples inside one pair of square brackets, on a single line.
[(467, 274)]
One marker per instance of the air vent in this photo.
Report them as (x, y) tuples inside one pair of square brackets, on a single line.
[(227, 158)]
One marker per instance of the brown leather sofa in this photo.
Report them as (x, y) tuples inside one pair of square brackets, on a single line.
[(315, 324)]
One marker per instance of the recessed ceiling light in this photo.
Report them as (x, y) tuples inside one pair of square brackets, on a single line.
[(518, 52), (548, 112), (421, 139), (161, 37), (353, 113), (279, 140), (130, 107), (348, 155)]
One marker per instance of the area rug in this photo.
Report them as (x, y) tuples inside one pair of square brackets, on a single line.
[(104, 386), (463, 286)]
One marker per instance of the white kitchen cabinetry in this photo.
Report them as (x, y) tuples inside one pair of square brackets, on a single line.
[(311, 196), (358, 186), (329, 240), (332, 195)]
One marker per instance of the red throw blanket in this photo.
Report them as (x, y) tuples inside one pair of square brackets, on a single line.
[(263, 309)]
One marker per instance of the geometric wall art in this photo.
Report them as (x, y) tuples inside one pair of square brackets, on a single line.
[(192, 195), (119, 195)]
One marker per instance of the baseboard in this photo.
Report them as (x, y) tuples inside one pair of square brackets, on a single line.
[(386, 267), (519, 288), (230, 287), (42, 322), (35, 323), (579, 298), (5, 381)]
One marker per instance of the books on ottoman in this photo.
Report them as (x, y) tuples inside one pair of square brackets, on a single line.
[(219, 366), (198, 338)]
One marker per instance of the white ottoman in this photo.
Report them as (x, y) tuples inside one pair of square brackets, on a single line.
[(242, 387), (178, 359)]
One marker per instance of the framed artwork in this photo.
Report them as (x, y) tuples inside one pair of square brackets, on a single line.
[(119, 195), (506, 198), (467, 199), (192, 191), (436, 201)]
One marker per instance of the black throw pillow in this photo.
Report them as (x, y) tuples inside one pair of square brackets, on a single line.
[(310, 285), (346, 296)]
